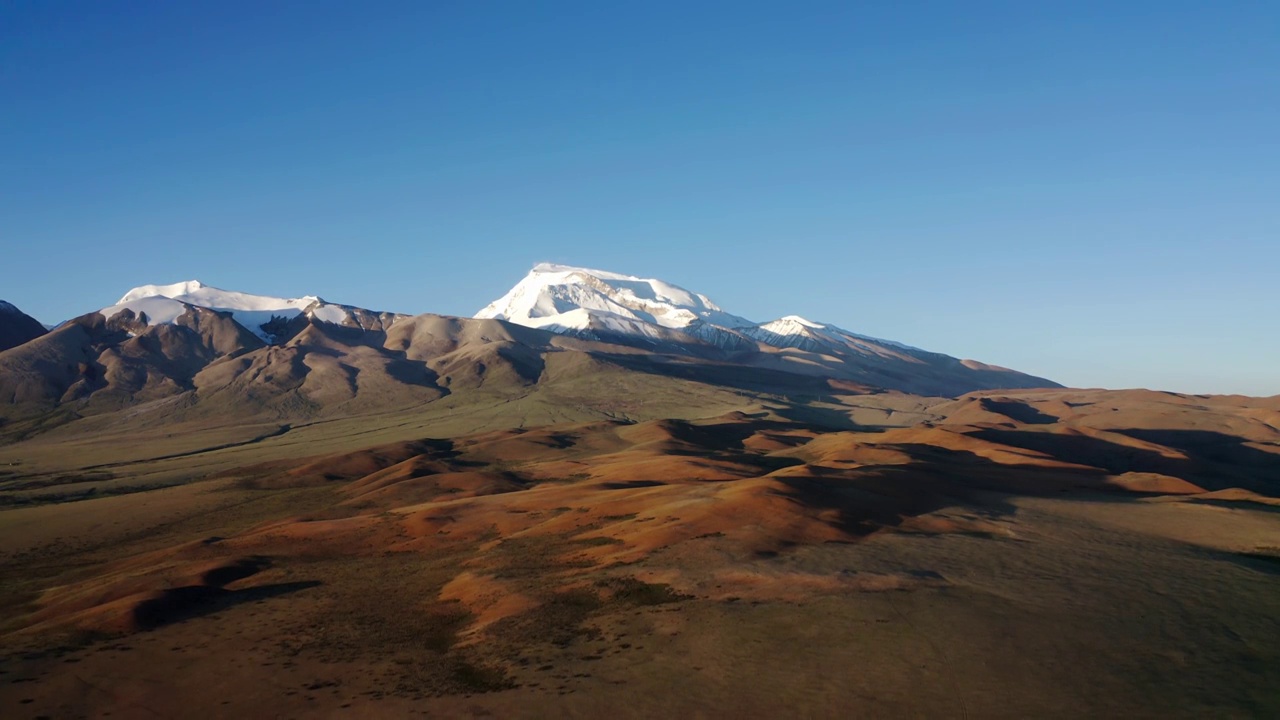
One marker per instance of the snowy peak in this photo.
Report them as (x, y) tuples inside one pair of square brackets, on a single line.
[(164, 304), (194, 292), (794, 331), (596, 303), (599, 304), (793, 324), (574, 299), (265, 316)]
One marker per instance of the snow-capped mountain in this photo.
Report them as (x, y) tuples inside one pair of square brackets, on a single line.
[(263, 315), (601, 305), (794, 331)]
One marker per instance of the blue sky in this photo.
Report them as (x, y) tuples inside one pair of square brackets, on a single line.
[(1085, 191)]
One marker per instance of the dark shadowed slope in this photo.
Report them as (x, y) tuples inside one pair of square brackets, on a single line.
[(16, 327)]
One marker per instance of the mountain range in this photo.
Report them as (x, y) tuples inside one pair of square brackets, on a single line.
[(191, 350)]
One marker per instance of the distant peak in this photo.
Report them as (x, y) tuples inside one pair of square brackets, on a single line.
[(555, 295), (799, 321)]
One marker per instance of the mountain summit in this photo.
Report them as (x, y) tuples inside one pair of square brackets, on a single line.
[(651, 313), (263, 315), (601, 304)]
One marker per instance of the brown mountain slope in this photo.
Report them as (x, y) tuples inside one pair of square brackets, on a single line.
[(95, 365), (910, 371), (120, 374), (206, 366)]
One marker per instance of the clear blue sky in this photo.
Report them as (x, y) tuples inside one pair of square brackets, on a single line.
[(1088, 191)]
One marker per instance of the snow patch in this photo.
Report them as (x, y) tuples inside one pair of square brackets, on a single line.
[(194, 292), (329, 313), (159, 310), (576, 298), (251, 311), (794, 331)]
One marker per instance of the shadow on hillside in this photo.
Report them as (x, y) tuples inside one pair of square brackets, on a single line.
[(866, 501), (856, 498), (1234, 504), (1018, 411), (1214, 461), (821, 418), (1212, 447), (183, 603), (870, 497), (724, 436), (210, 595), (1263, 562), (738, 377)]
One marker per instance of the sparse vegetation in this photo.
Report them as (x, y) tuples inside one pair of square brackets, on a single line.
[(637, 592), (740, 537)]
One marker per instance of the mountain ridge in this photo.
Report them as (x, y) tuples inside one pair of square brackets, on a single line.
[(605, 305), (207, 351), (593, 304), (265, 316), (553, 296)]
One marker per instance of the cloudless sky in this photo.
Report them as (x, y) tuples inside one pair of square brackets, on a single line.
[(1088, 191)]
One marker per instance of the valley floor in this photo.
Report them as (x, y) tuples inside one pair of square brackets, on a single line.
[(742, 566), (1077, 611)]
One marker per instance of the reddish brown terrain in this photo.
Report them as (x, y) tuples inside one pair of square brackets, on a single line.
[(1050, 553)]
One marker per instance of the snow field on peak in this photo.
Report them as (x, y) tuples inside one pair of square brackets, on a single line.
[(329, 313), (194, 292), (793, 330), (563, 298), (159, 310), (558, 298), (550, 292), (164, 304)]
